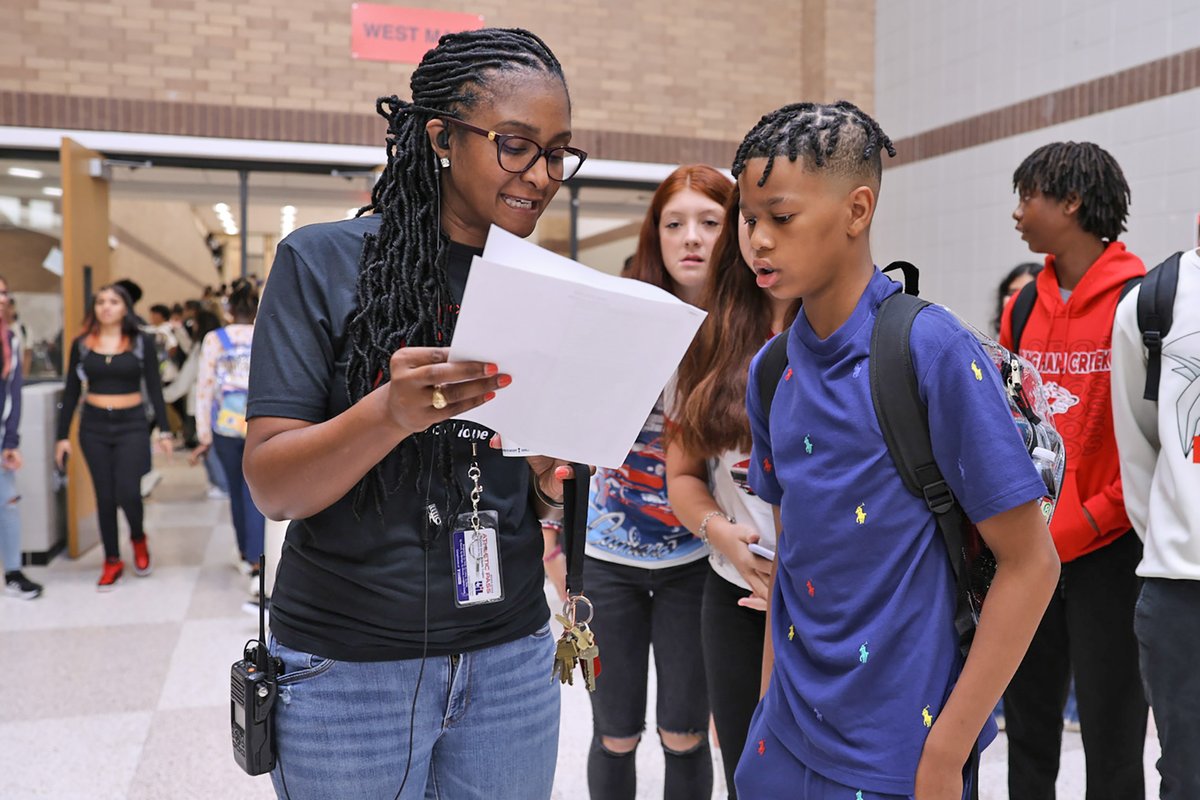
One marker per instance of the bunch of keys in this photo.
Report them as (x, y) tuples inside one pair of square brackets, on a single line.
[(577, 645)]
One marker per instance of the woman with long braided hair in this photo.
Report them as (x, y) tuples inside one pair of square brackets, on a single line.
[(400, 676)]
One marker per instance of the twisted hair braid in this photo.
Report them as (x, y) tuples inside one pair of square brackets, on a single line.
[(402, 290), (839, 137), (1087, 170)]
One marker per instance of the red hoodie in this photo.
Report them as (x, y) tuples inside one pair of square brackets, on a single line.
[(1070, 344)]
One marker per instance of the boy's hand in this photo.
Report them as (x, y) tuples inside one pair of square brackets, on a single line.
[(938, 778)]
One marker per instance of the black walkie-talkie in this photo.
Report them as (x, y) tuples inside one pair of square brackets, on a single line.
[(252, 692)]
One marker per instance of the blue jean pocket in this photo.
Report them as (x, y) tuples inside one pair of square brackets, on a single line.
[(298, 665)]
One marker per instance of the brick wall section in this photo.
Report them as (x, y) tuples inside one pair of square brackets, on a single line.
[(694, 71)]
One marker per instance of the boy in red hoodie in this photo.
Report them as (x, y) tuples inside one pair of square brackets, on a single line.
[(1073, 204)]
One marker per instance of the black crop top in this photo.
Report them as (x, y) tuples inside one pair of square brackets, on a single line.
[(122, 373)]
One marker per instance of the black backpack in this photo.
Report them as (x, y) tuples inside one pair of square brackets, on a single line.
[(1155, 311), (904, 421)]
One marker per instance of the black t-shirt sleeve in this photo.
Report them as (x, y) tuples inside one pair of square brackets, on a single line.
[(70, 393), (292, 357)]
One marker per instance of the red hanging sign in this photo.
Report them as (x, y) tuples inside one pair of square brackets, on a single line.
[(390, 33)]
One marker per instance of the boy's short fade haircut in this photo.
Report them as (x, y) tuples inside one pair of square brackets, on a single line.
[(1088, 170), (838, 138)]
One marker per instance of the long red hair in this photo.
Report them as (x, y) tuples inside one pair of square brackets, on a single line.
[(648, 265), (712, 378)]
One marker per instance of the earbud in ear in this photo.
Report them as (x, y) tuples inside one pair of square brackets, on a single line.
[(443, 139)]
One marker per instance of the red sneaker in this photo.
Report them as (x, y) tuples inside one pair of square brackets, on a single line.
[(141, 557), (113, 568)]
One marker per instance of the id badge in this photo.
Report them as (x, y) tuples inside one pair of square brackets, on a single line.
[(475, 553)]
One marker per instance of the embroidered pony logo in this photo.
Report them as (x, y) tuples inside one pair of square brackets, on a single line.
[(791, 632), (762, 746), (926, 718), (860, 514), (863, 653), (788, 375), (812, 591), (976, 371), (808, 445)]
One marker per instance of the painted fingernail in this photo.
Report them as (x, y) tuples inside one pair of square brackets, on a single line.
[(503, 380), (490, 369), (489, 396), (562, 472)]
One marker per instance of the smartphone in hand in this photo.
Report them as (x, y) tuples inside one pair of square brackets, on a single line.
[(761, 551)]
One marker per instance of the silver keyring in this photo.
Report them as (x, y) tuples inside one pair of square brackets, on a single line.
[(569, 609)]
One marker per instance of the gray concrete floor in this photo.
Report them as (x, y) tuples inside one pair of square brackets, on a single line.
[(125, 694)]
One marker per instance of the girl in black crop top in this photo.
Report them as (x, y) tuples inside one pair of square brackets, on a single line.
[(114, 360)]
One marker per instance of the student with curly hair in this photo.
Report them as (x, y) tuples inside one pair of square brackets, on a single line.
[(1072, 205)]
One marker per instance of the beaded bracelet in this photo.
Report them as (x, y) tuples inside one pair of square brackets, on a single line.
[(702, 532)]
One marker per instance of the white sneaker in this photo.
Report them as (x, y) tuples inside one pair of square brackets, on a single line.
[(149, 481), (215, 493), (251, 607)]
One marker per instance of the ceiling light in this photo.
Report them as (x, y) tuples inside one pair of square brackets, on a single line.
[(221, 208), (52, 191), (289, 211), (22, 172)]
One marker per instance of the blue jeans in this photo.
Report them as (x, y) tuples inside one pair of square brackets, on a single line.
[(248, 521), (1169, 643), (486, 725), (10, 521)]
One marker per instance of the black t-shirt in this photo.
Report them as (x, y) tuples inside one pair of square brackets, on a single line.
[(352, 588)]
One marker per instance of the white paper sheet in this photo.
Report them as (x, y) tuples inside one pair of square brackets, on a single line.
[(589, 353)]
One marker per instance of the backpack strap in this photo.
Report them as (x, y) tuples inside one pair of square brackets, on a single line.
[(223, 337), (904, 422), (1155, 312), (1022, 309), (770, 371)]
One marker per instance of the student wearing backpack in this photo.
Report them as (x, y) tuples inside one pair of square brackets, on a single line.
[(867, 693), (222, 383), (708, 455), (113, 360), (1156, 418), (1073, 203)]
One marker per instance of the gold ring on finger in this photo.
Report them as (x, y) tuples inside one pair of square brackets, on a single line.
[(439, 399)]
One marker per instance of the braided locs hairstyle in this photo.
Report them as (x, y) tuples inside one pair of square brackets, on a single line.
[(1061, 169), (402, 290), (838, 137)]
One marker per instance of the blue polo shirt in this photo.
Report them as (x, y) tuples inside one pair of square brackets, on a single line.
[(863, 609)]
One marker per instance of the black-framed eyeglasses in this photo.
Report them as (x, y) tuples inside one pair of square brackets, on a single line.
[(517, 154)]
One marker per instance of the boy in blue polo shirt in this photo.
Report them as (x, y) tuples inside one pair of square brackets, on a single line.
[(868, 696)]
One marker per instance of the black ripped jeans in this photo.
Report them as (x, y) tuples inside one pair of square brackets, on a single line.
[(117, 450), (637, 608)]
